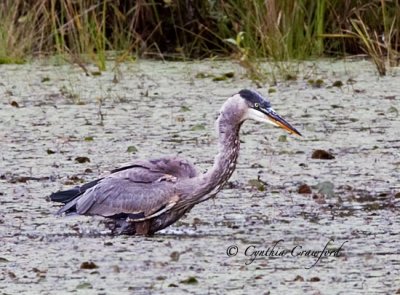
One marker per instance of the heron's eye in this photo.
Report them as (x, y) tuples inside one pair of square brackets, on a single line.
[(256, 105)]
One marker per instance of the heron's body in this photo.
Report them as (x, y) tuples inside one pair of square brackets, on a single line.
[(147, 196)]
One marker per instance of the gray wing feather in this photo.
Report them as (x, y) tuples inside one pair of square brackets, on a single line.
[(116, 195), (152, 170), (140, 187)]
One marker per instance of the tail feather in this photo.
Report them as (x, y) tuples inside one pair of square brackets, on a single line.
[(71, 194), (65, 196)]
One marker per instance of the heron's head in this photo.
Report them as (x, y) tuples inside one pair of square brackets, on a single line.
[(259, 109)]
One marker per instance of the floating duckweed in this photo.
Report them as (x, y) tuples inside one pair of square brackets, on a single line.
[(190, 281), (198, 127)]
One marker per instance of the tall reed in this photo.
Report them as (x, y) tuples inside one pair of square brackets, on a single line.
[(281, 30)]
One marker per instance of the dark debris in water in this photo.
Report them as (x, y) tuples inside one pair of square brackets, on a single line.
[(224, 77), (14, 104), (304, 189), (298, 278), (11, 178), (318, 83), (322, 155), (172, 285), (190, 281), (319, 198), (50, 152), (88, 265), (337, 84), (314, 279), (74, 179), (290, 77), (82, 159), (233, 185)]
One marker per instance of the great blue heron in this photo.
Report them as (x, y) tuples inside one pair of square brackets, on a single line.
[(149, 195)]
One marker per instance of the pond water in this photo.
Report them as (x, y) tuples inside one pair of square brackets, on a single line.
[(50, 115)]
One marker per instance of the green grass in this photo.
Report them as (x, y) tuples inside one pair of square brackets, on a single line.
[(246, 30), (11, 60)]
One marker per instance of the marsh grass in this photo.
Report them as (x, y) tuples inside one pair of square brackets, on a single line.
[(381, 43), (16, 37), (85, 30), (370, 44)]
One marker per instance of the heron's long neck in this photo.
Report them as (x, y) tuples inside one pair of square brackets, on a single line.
[(228, 151), (213, 180)]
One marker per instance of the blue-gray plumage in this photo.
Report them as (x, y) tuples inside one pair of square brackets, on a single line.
[(149, 195)]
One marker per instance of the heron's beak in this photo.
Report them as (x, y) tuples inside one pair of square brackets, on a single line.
[(277, 120)]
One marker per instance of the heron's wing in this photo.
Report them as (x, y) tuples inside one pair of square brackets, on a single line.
[(152, 170), (121, 197), (114, 196), (139, 171), (140, 190)]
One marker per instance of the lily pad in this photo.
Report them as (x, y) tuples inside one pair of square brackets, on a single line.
[(184, 108), (84, 285), (256, 183), (326, 188), (132, 149), (282, 138), (202, 75), (394, 112), (224, 77), (316, 83), (198, 127)]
